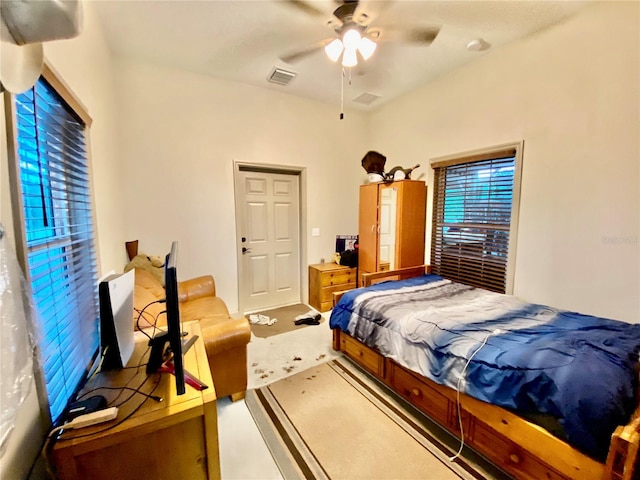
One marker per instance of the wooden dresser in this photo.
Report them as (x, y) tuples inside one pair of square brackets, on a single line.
[(326, 278), (175, 438)]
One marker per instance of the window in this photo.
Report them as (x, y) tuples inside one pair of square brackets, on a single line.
[(58, 236), (474, 210)]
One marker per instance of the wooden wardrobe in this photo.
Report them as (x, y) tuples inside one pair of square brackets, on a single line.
[(391, 225)]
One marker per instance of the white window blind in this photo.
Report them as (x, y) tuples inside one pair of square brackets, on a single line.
[(59, 234), (473, 201)]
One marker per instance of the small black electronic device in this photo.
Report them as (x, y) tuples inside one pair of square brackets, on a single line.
[(89, 405)]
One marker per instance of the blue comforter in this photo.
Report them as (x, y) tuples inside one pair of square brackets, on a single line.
[(525, 357)]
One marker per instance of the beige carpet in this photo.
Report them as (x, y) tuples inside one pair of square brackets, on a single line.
[(285, 316), (335, 421)]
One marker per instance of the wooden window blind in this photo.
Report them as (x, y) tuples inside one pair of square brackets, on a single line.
[(59, 237), (473, 199)]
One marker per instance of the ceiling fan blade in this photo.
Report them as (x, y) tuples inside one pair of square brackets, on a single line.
[(306, 7), (367, 11), (422, 35), (298, 55)]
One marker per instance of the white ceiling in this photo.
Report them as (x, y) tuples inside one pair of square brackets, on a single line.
[(241, 40)]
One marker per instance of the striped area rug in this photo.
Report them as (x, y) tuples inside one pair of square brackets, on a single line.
[(334, 421)]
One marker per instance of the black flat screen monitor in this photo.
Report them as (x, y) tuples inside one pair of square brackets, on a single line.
[(174, 329), (163, 358)]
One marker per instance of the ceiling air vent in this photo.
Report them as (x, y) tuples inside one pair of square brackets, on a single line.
[(366, 98), (281, 77)]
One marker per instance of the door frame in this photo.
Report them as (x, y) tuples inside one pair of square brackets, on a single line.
[(301, 172)]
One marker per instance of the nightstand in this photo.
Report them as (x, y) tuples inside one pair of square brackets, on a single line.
[(326, 278)]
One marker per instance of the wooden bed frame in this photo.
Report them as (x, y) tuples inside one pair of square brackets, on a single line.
[(518, 446)]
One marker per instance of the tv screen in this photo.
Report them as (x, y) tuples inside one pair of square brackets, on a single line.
[(169, 358), (174, 329)]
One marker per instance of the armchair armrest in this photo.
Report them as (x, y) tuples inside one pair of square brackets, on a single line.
[(198, 287)]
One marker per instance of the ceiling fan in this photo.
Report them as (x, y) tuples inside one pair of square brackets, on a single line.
[(354, 34)]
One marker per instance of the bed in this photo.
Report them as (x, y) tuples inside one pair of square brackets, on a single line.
[(544, 393)]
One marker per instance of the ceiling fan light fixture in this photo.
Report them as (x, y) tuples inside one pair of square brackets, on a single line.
[(367, 47), (349, 58), (351, 39), (334, 50)]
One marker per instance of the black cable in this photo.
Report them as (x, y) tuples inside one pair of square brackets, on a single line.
[(126, 385), (50, 441), (141, 313), (120, 421), (136, 390), (137, 366)]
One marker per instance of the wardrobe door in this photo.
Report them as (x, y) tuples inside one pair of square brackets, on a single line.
[(368, 229), (411, 218)]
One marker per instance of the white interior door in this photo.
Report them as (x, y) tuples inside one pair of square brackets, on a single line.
[(269, 239)]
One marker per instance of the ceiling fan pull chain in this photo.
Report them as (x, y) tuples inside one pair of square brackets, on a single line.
[(342, 74)]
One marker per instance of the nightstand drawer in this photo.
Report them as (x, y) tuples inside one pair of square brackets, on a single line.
[(341, 277), (326, 293)]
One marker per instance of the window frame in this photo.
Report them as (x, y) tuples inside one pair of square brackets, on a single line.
[(17, 207), (488, 153)]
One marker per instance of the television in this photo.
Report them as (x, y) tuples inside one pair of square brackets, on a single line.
[(173, 335), (115, 294), (174, 327)]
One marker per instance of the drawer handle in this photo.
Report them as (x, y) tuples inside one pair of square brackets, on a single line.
[(416, 392), (514, 458)]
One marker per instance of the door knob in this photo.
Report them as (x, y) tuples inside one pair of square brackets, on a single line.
[(246, 250)]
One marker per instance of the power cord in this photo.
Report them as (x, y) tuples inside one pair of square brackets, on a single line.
[(497, 331), (141, 314), (157, 398), (99, 367), (138, 407)]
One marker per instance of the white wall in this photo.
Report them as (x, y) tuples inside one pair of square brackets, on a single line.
[(85, 65), (180, 134), (572, 94)]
